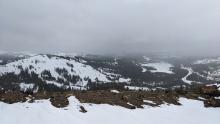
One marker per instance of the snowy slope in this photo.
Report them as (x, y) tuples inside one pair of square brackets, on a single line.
[(146, 58), (42, 112), (41, 63), (75, 71), (213, 65), (207, 61)]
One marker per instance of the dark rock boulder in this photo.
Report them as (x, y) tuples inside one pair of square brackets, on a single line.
[(59, 101), (210, 90), (212, 102), (82, 109)]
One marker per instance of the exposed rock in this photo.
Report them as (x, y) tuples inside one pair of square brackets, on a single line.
[(82, 109), (11, 97), (210, 90), (127, 99), (59, 101), (212, 102)]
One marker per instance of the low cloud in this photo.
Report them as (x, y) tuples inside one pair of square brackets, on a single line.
[(187, 27)]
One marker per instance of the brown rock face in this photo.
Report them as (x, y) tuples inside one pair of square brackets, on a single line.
[(212, 102), (210, 90), (12, 97), (59, 101)]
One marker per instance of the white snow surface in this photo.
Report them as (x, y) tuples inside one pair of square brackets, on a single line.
[(144, 69), (25, 86), (137, 88), (190, 71), (115, 91), (124, 80), (146, 58), (107, 72), (41, 63), (159, 66), (42, 112), (214, 75), (207, 61), (148, 101)]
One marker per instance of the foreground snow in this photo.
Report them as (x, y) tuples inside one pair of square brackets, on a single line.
[(42, 112)]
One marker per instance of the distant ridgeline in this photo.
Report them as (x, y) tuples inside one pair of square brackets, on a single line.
[(85, 72)]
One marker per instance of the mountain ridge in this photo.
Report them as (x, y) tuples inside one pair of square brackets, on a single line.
[(32, 71)]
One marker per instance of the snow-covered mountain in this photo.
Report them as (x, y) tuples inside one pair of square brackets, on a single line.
[(208, 68), (46, 71), (59, 70)]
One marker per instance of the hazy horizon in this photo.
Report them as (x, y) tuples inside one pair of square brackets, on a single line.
[(188, 28)]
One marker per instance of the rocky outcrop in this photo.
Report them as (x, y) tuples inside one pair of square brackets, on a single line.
[(210, 90), (212, 102)]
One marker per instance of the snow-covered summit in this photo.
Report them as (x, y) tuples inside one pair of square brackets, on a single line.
[(58, 67)]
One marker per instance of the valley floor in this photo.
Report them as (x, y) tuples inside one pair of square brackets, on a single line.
[(42, 112)]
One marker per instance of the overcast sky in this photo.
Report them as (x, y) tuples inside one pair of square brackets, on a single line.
[(111, 26)]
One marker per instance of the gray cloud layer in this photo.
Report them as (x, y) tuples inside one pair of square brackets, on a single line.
[(110, 26)]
